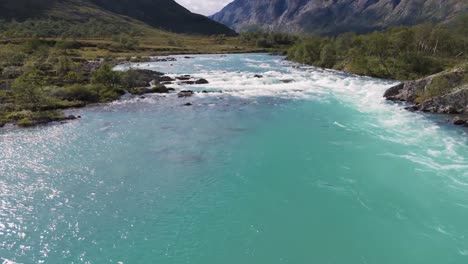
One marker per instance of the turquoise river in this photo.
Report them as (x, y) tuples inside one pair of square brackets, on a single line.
[(304, 165)]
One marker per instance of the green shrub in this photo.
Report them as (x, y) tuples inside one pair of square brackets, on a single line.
[(109, 94), (126, 41), (263, 43), (67, 44), (174, 43), (78, 92), (398, 53), (106, 76), (25, 122), (75, 77), (442, 84), (11, 57), (438, 86), (34, 45), (27, 88), (50, 28), (328, 56)]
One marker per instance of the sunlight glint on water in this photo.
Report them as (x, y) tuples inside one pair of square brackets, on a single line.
[(301, 166)]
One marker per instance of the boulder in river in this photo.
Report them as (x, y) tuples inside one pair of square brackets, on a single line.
[(460, 121), (158, 88), (201, 81), (166, 79), (191, 82)]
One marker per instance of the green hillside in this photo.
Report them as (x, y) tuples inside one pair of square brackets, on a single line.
[(162, 14)]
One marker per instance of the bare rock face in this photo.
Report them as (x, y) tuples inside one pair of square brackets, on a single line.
[(333, 17), (452, 103), (407, 91)]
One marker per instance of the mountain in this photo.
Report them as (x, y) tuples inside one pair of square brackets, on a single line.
[(162, 14), (165, 14), (329, 17)]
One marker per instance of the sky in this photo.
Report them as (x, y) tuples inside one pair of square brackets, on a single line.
[(204, 7)]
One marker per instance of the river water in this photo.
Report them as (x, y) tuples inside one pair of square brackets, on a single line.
[(301, 166)]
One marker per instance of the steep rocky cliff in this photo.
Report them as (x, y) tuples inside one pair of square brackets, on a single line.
[(331, 17)]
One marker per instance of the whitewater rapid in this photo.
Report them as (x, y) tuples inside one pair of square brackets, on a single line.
[(283, 79)]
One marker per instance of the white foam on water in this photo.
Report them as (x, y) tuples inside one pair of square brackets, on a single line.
[(338, 124), (463, 252), (6, 261), (387, 121)]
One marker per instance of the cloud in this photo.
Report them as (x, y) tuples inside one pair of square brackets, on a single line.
[(204, 7)]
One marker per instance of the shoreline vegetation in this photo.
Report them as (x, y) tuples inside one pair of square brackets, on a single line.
[(431, 60), (49, 65), (41, 76), (45, 67)]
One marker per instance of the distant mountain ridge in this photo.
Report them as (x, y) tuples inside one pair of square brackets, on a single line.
[(162, 14), (329, 17)]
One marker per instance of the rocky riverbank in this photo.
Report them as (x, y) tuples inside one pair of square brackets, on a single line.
[(442, 93), (137, 82)]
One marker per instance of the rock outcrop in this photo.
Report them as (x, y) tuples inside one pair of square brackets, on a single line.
[(453, 103), (444, 93)]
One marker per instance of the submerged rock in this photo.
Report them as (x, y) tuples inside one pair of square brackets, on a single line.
[(192, 82), (183, 78), (185, 93), (164, 59), (187, 82)]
